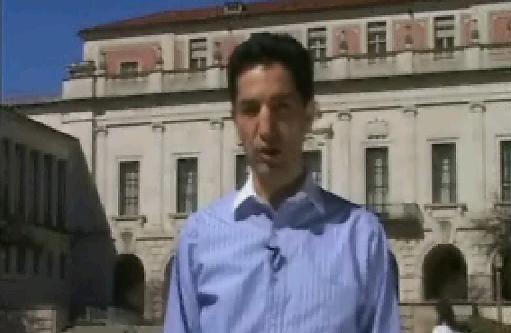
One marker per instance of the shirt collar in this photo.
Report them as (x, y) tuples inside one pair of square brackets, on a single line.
[(309, 190)]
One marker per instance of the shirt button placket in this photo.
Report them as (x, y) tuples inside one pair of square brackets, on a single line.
[(273, 310)]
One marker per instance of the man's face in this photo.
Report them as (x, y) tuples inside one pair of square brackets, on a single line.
[(272, 121)]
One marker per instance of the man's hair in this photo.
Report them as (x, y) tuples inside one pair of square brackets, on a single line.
[(267, 48)]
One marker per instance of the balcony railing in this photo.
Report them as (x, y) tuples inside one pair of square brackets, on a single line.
[(502, 210), (402, 220), (84, 81)]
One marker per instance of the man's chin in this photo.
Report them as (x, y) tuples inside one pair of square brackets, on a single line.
[(266, 169)]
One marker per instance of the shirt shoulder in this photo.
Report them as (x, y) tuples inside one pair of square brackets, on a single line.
[(349, 211), (218, 211)]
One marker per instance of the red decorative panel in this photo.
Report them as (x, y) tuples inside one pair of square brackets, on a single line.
[(470, 30), (223, 47), (346, 40), (147, 55), (410, 34), (179, 54), (501, 27)]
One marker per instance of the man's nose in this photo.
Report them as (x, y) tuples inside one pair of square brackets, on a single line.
[(267, 123)]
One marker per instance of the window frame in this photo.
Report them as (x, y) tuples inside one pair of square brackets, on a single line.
[(444, 36), (181, 206), (371, 188), (122, 199), (126, 70), (317, 43), (374, 30), (437, 182), (198, 53), (505, 182)]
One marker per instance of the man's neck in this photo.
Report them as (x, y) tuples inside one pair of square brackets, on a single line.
[(275, 193)]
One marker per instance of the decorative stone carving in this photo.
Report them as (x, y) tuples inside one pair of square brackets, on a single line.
[(477, 107), (410, 110), (158, 126), (377, 129), (344, 115), (101, 129), (216, 124)]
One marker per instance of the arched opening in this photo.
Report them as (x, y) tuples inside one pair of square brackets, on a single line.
[(166, 283), (129, 283), (445, 274)]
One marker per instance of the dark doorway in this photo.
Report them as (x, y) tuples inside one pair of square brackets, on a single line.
[(166, 284), (445, 274), (129, 283), (505, 279)]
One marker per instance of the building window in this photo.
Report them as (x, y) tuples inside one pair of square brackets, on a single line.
[(48, 190), (36, 259), (128, 68), (186, 185), (33, 184), (377, 178), (444, 33), (316, 43), (20, 170), (312, 161), (198, 53), (5, 178), (62, 266), (444, 173), (376, 39), (61, 193), (505, 170), (21, 259), (129, 187), (49, 264), (242, 170)]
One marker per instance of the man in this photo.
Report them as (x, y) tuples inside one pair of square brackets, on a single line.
[(282, 254)]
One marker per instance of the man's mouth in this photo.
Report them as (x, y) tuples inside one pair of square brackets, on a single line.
[(268, 152)]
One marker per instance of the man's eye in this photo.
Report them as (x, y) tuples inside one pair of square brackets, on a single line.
[(249, 108)]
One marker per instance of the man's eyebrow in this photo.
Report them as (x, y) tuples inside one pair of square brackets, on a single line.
[(248, 101)]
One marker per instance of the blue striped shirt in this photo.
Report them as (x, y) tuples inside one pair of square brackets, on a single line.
[(316, 264)]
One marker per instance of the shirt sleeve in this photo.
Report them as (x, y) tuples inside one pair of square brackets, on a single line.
[(182, 314), (381, 313)]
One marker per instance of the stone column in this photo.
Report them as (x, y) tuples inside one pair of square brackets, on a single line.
[(478, 200), (11, 200), (101, 133), (38, 214), (216, 179), (158, 137), (27, 194), (341, 155), (409, 169), (54, 191)]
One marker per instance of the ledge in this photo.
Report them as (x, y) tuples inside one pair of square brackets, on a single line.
[(129, 218), (462, 207), (179, 216)]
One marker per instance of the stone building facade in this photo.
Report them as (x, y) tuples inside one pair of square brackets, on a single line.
[(413, 119)]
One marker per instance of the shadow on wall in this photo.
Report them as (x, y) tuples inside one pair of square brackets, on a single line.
[(92, 247)]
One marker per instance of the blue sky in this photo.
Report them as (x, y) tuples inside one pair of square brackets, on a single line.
[(39, 37)]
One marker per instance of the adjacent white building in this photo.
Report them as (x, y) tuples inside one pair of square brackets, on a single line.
[(413, 120)]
